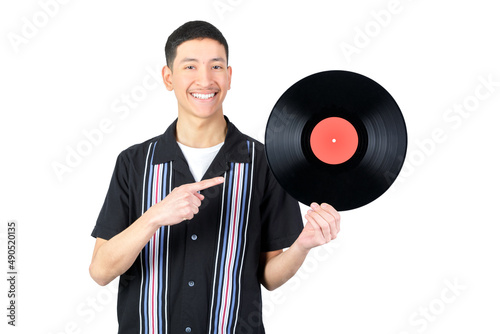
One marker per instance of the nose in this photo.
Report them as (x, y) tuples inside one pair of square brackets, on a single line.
[(204, 78)]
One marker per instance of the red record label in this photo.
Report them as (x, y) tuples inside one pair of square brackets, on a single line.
[(334, 140)]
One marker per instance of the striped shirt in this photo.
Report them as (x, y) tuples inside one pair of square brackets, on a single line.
[(199, 276)]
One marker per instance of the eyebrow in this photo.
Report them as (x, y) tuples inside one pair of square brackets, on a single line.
[(223, 60)]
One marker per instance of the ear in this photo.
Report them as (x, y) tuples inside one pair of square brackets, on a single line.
[(167, 77), (230, 74)]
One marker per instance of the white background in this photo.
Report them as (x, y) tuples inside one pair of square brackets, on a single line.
[(67, 66)]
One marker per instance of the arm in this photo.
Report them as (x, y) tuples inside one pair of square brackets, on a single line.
[(323, 225), (113, 257)]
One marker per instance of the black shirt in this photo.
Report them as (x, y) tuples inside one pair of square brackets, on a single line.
[(199, 276)]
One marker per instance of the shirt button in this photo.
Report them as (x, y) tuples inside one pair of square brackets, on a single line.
[(188, 329), (194, 237), (191, 283)]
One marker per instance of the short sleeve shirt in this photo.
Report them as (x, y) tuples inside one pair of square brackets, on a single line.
[(202, 275)]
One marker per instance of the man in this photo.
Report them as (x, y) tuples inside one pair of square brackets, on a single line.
[(192, 253)]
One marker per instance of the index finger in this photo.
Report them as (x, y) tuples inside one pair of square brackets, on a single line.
[(206, 183), (330, 209)]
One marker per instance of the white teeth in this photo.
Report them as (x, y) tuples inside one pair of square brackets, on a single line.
[(203, 96)]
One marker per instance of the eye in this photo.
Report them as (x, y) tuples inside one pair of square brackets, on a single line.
[(189, 67), (217, 67)]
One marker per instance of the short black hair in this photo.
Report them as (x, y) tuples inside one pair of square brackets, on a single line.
[(189, 31)]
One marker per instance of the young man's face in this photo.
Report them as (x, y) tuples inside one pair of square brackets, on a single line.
[(200, 77)]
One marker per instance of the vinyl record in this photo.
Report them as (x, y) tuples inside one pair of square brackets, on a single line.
[(336, 137)]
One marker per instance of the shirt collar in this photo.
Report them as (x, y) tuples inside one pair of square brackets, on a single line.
[(235, 148)]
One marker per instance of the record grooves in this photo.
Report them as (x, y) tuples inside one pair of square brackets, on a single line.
[(336, 137)]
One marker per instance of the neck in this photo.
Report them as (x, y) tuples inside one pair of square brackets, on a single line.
[(201, 133)]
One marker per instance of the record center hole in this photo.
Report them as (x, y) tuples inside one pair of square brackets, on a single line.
[(334, 140)]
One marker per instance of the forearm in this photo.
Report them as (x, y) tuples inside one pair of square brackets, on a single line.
[(281, 268), (117, 255)]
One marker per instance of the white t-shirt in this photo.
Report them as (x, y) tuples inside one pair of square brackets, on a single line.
[(199, 159)]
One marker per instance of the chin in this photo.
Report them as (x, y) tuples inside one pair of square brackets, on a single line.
[(208, 113)]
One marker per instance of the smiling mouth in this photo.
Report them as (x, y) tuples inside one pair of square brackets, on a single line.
[(203, 96)]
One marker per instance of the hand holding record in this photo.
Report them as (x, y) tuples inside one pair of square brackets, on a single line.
[(336, 137), (323, 225)]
